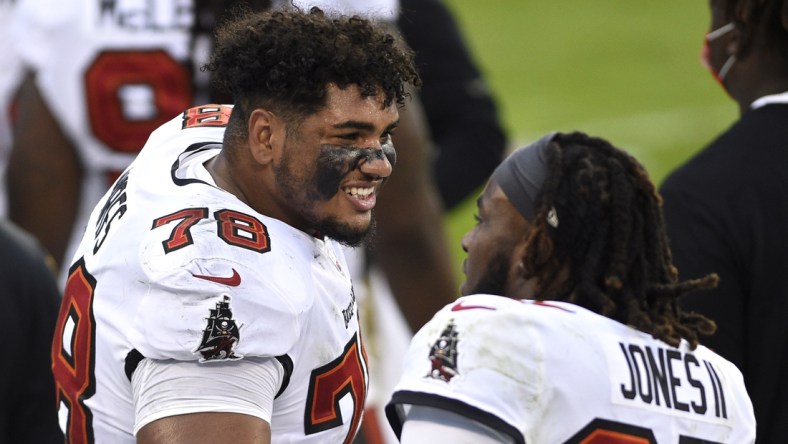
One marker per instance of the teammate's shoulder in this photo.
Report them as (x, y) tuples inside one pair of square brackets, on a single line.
[(543, 318), (487, 303), (184, 295), (203, 122)]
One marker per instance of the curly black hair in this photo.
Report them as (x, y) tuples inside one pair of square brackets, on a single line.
[(285, 60), (763, 22), (611, 237)]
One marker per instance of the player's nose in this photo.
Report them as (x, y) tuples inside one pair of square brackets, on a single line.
[(376, 163)]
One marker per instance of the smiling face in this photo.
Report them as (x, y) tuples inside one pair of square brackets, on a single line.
[(493, 245), (333, 163)]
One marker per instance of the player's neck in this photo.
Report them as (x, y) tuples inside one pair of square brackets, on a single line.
[(220, 170)]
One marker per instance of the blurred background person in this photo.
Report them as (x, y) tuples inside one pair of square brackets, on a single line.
[(727, 208), (462, 113), (101, 76), (30, 300)]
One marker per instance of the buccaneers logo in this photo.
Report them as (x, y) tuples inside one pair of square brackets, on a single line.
[(220, 336), (443, 354)]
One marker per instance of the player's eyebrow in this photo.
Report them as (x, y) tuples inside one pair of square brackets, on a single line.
[(363, 126)]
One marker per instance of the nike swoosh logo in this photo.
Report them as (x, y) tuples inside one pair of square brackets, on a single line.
[(232, 281), (460, 306), (547, 304)]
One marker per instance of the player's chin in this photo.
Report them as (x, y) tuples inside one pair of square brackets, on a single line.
[(353, 233)]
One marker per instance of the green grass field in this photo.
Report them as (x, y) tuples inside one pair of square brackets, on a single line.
[(625, 70)]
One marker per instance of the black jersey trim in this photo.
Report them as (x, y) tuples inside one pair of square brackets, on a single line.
[(394, 412), (133, 359), (190, 151), (287, 365)]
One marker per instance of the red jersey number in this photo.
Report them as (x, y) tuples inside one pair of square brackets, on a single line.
[(234, 228), (602, 431), (206, 115), (73, 354), (131, 93), (330, 383)]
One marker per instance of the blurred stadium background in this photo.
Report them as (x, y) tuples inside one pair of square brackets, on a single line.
[(625, 70)]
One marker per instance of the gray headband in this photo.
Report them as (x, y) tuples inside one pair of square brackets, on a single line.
[(522, 174)]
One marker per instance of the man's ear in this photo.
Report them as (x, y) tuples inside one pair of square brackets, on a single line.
[(262, 126)]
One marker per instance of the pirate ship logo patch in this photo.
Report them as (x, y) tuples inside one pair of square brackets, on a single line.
[(443, 354), (220, 336)]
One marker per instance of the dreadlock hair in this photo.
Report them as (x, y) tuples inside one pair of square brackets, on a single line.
[(763, 22), (611, 236), (284, 60)]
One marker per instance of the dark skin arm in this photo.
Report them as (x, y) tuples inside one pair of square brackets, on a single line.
[(44, 174), (206, 428), (411, 245)]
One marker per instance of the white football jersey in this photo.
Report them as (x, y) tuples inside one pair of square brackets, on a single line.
[(553, 372), (111, 72), (174, 268)]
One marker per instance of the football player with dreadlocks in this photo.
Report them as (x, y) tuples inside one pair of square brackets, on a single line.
[(589, 342)]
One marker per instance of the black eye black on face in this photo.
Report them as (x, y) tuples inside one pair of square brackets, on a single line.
[(390, 152), (334, 162)]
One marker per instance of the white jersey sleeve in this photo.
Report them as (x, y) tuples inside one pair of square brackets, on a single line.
[(168, 388), (182, 301), (427, 425), (552, 372)]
